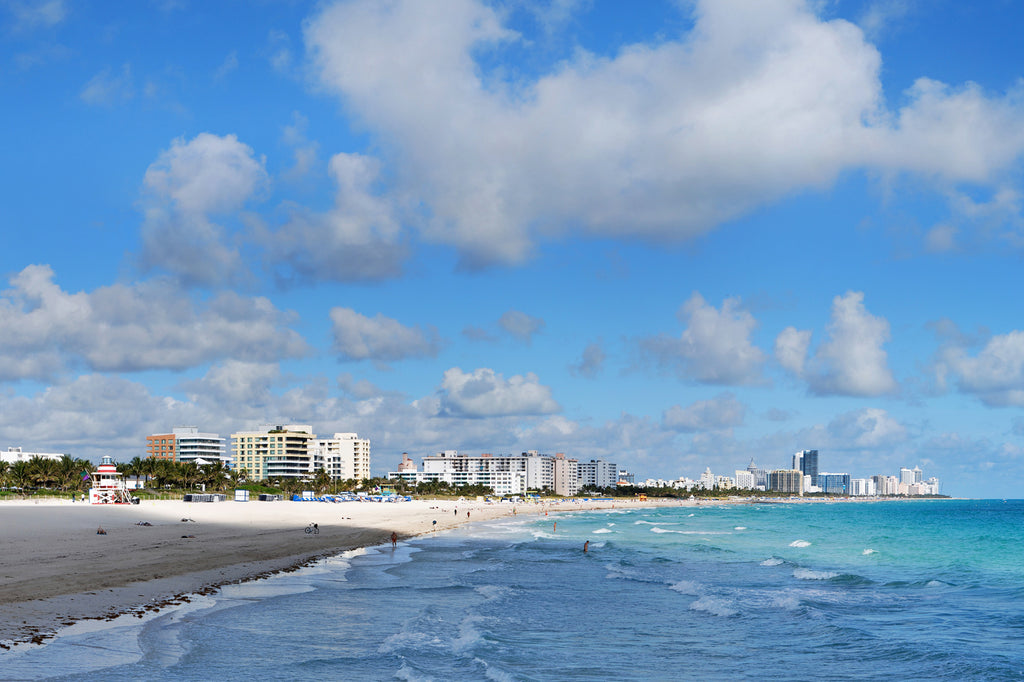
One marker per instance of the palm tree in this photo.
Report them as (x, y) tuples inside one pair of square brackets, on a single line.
[(321, 481), (214, 475), (43, 471), (68, 473), (188, 474), (4, 466), (19, 475)]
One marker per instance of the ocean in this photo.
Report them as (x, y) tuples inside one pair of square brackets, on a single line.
[(914, 590)]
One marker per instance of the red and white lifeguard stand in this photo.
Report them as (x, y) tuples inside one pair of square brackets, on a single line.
[(107, 485)]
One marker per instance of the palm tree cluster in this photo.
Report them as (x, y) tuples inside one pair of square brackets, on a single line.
[(63, 474), (161, 473)]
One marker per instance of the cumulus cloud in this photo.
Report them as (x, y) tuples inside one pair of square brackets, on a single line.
[(591, 363), (723, 411), (89, 416), (382, 339), (233, 382), (995, 374), (359, 239), (715, 348), (663, 140), (185, 187), (851, 361), (120, 328), (485, 393), (520, 325), (866, 428)]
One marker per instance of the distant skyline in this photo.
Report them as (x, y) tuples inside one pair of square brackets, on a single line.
[(675, 236)]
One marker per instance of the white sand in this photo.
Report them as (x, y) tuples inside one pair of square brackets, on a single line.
[(55, 569)]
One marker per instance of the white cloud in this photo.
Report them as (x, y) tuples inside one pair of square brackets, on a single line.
[(485, 393), (121, 328), (791, 349), (34, 14), (866, 428), (228, 66), (995, 375), (359, 239), (107, 89), (382, 339), (663, 140), (187, 185), (941, 238), (591, 363), (715, 347), (851, 361), (721, 412), (241, 385), (520, 325)]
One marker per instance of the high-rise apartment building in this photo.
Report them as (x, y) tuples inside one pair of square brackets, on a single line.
[(276, 451), (834, 484), (598, 472), (187, 444), (346, 456), (504, 474), (806, 461), (786, 481)]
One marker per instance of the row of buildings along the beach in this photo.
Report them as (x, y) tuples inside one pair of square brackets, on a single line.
[(804, 477), (511, 474), (271, 451)]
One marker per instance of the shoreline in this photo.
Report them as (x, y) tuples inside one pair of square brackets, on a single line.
[(58, 571)]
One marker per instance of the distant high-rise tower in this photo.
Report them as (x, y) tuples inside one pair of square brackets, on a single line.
[(806, 461)]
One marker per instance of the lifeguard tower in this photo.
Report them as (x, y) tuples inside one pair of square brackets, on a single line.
[(108, 487)]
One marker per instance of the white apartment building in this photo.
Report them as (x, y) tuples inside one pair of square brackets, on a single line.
[(745, 480), (504, 474), (13, 455), (599, 473), (346, 456), (862, 487)]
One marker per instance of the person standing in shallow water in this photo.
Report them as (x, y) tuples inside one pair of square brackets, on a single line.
[(586, 546), (394, 539)]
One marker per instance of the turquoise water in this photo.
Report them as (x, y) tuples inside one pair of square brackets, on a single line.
[(901, 590)]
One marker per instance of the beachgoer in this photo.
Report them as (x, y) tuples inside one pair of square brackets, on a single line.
[(456, 512), (467, 516), (100, 531), (586, 546), (555, 528), (394, 539)]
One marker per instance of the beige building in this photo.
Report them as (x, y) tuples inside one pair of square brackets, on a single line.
[(345, 456), (275, 451), (786, 481)]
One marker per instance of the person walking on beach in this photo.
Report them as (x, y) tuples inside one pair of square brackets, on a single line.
[(394, 539)]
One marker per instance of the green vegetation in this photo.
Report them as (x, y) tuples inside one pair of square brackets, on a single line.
[(62, 477)]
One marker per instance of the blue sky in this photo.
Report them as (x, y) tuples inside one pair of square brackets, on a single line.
[(679, 235)]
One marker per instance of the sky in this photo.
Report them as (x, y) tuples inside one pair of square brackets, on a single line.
[(672, 235)]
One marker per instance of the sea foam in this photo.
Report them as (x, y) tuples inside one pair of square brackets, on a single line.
[(811, 574), (799, 543), (714, 606)]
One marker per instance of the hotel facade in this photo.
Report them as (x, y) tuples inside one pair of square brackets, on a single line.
[(276, 451)]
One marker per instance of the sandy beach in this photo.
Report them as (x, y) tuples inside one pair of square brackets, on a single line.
[(55, 569)]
